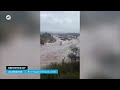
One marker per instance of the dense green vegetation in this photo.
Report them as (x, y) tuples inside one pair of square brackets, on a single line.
[(46, 37), (68, 70)]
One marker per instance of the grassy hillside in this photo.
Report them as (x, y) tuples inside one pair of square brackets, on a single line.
[(66, 71)]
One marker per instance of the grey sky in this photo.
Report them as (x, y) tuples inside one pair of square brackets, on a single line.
[(60, 21)]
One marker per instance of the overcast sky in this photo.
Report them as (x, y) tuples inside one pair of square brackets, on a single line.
[(60, 21)]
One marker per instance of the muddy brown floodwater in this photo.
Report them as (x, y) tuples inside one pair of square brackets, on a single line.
[(54, 52)]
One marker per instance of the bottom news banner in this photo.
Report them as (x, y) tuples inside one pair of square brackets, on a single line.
[(24, 70)]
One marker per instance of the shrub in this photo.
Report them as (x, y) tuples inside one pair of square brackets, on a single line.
[(75, 54)]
